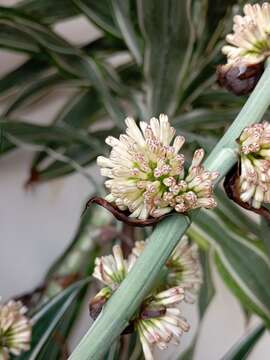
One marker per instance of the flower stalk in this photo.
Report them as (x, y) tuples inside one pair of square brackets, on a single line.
[(123, 304)]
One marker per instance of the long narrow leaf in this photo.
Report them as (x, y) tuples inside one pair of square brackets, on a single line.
[(244, 346), (67, 58), (100, 12), (244, 268), (46, 319), (165, 26), (122, 15)]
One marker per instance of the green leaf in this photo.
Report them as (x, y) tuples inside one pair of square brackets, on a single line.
[(47, 318), (77, 157), (203, 118), (216, 11), (207, 290), (219, 97), (264, 233), (13, 39), (205, 141), (244, 346), (100, 12), (34, 68), (121, 10), (206, 295), (48, 11), (28, 71), (244, 268), (69, 59), (234, 217), (166, 29), (34, 91), (41, 134)]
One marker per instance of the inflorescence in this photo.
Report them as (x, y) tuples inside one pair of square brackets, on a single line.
[(147, 172)]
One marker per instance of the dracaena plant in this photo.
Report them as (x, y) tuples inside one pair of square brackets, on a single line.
[(178, 112)]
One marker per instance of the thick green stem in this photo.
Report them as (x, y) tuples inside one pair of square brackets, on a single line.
[(165, 237)]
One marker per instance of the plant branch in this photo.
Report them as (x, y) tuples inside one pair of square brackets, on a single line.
[(139, 282)]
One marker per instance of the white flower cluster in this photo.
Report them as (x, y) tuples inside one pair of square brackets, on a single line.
[(147, 174), (15, 329), (255, 164), (160, 322), (250, 40), (183, 265)]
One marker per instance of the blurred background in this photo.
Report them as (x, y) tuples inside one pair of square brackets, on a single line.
[(37, 223)]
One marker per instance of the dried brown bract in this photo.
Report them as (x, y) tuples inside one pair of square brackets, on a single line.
[(239, 79)]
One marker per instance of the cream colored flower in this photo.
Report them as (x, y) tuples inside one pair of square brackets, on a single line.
[(184, 268), (112, 269), (15, 329), (183, 265), (255, 164), (160, 321), (250, 40), (147, 174)]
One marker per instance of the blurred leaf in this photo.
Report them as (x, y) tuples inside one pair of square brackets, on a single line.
[(48, 11), (244, 346), (28, 71), (100, 12), (113, 353), (206, 295), (13, 39), (200, 118), (67, 58), (47, 318), (165, 26), (243, 267), (35, 68), (265, 233), (121, 10), (77, 157), (34, 91), (205, 141), (41, 134), (207, 290), (219, 97), (234, 216), (81, 110), (216, 11)]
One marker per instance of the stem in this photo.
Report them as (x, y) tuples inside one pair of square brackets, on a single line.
[(123, 304)]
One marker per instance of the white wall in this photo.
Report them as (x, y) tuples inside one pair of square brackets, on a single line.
[(36, 225)]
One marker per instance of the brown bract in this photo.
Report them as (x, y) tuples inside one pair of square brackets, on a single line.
[(123, 215), (232, 189), (239, 79)]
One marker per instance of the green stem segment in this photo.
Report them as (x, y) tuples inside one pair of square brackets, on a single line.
[(165, 237)]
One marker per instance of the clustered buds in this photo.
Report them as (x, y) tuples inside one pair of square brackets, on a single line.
[(250, 40), (15, 329), (183, 266), (147, 173), (255, 164), (158, 322), (249, 47)]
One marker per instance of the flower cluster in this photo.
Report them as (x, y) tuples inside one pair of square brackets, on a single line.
[(255, 164), (250, 40), (147, 172), (159, 322), (15, 329), (183, 265)]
